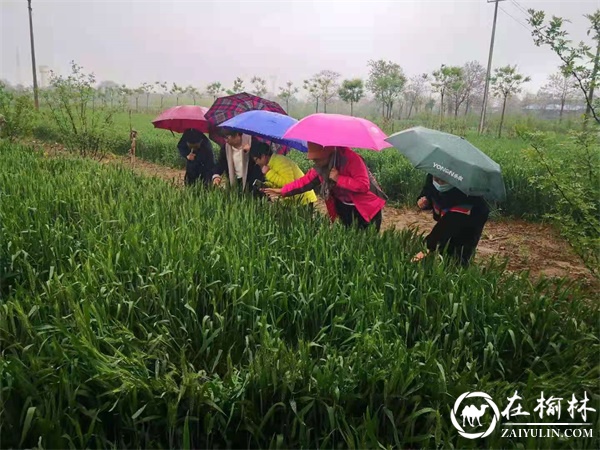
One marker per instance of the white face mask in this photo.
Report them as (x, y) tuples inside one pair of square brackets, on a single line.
[(442, 187)]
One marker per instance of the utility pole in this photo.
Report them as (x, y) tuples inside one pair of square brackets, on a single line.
[(33, 66), (489, 68)]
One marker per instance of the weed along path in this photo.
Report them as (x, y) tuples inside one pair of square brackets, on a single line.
[(527, 246)]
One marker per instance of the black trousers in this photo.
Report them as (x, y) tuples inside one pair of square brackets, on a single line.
[(457, 235), (349, 216)]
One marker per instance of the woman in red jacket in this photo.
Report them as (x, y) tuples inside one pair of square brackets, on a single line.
[(349, 189)]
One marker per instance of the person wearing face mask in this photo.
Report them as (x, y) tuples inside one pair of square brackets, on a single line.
[(195, 147), (350, 191), (460, 220)]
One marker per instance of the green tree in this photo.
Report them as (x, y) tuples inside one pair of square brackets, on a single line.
[(579, 61), (177, 91), (506, 81), (137, 93), (69, 100), (287, 93), (327, 86), (386, 81), (238, 87), (192, 92), (16, 113), (314, 93), (214, 90), (162, 88), (447, 81), (148, 89), (259, 86), (351, 92)]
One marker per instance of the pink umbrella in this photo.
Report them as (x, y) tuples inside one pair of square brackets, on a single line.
[(331, 130), (180, 118)]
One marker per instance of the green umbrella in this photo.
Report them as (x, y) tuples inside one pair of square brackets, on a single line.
[(452, 159)]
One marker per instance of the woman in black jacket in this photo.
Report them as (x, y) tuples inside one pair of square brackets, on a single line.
[(197, 150), (460, 220)]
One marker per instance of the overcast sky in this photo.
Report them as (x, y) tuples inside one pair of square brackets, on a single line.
[(198, 42)]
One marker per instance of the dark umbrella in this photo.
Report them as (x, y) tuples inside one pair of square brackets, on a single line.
[(225, 108), (452, 159)]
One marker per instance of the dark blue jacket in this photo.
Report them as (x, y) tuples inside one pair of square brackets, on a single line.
[(203, 166)]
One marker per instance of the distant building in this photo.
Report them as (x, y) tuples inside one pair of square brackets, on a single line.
[(44, 76), (551, 111)]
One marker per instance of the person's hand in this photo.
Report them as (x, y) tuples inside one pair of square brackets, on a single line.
[(265, 169), (216, 181), (191, 156), (334, 174), (246, 148), (272, 193), (419, 256), (423, 203)]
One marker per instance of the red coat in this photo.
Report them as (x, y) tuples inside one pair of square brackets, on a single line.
[(353, 178)]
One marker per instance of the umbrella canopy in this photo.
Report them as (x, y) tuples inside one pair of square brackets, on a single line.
[(224, 108), (452, 159), (337, 130), (181, 118), (267, 125)]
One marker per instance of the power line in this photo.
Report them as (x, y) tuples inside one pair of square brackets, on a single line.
[(518, 5), (515, 19)]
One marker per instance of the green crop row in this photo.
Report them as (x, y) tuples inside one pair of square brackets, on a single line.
[(397, 177), (137, 315)]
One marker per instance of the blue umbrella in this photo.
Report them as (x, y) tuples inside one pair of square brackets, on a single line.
[(267, 125)]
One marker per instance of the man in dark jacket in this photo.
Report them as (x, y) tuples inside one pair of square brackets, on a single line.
[(460, 219), (234, 160), (197, 150)]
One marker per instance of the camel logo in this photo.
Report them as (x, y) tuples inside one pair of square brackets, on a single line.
[(473, 414)]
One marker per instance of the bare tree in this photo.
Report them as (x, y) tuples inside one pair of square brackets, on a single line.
[(560, 88), (287, 93), (474, 77), (414, 91), (312, 86), (327, 86)]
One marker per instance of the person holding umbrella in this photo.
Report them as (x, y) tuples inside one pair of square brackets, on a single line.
[(234, 159), (195, 147), (460, 220), (350, 191), (459, 177), (278, 170)]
